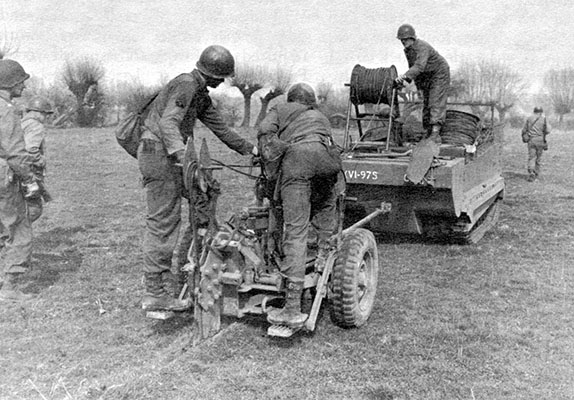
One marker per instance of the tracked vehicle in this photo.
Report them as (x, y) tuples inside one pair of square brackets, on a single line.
[(458, 195)]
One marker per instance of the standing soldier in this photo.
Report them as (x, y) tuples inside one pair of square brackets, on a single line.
[(534, 134), (15, 168), (37, 111), (431, 74), (307, 188), (167, 127)]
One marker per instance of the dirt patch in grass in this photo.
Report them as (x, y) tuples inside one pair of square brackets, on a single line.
[(490, 321)]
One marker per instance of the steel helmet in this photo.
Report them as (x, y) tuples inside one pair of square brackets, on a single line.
[(217, 62), (301, 93), (406, 31), (11, 74), (41, 104)]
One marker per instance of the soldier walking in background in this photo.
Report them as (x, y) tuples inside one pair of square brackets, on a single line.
[(167, 127), (431, 74), (37, 111), (534, 134), (15, 169), (307, 189)]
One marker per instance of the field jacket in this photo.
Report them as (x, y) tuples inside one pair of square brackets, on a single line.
[(171, 116), (34, 137), (294, 122), (537, 128), (424, 62), (13, 155)]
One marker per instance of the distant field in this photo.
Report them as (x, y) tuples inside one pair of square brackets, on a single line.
[(491, 321)]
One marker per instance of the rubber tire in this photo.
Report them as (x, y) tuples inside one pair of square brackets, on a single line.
[(354, 279)]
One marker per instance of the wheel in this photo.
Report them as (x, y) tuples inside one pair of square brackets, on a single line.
[(354, 279)]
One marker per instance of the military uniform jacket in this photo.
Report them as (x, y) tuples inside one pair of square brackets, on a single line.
[(294, 122), (537, 128), (13, 154), (34, 137), (172, 115), (424, 61)]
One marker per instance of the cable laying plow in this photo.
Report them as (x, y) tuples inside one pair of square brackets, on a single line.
[(233, 270)]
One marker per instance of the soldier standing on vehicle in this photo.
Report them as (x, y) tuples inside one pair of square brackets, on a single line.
[(15, 169), (431, 74), (307, 189), (167, 127), (534, 134), (37, 110)]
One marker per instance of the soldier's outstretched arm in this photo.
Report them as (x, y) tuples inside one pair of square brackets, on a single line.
[(213, 120)]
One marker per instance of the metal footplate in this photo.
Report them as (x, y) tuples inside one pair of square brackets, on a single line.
[(281, 331), (161, 314)]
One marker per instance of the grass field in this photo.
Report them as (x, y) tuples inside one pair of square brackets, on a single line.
[(490, 321)]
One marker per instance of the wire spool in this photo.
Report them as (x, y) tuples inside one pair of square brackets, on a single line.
[(460, 128), (373, 86)]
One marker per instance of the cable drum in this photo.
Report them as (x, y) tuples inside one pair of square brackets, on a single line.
[(373, 86), (460, 128)]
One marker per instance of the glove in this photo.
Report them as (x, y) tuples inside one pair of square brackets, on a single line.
[(31, 189), (402, 80)]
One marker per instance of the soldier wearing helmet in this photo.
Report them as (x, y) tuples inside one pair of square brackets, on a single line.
[(15, 169), (534, 133), (37, 110), (167, 127), (306, 188), (431, 74)]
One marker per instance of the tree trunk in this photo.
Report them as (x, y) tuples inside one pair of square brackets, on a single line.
[(246, 110), (263, 111)]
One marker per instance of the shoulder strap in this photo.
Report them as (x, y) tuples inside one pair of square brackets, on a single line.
[(534, 123), (147, 104)]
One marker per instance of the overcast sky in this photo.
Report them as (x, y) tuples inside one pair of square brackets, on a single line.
[(320, 40)]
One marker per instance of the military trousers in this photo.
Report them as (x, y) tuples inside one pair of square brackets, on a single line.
[(308, 197), (16, 225), (163, 185), (535, 151), (435, 94)]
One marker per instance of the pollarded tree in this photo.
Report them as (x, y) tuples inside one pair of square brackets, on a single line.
[(279, 80), (559, 89), (249, 79), (323, 90), (490, 81), (7, 46), (82, 77)]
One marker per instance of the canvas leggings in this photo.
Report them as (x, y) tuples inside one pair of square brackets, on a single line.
[(534, 158), (16, 226), (308, 197)]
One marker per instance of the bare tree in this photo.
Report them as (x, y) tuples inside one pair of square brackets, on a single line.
[(248, 79), (7, 45), (489, 81), (82, 77), (324, 90), (559, 89), (280, 79)]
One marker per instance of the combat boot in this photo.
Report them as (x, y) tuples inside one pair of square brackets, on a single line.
[(157, 298), (290, 314), (435, 134), (10, 289)]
